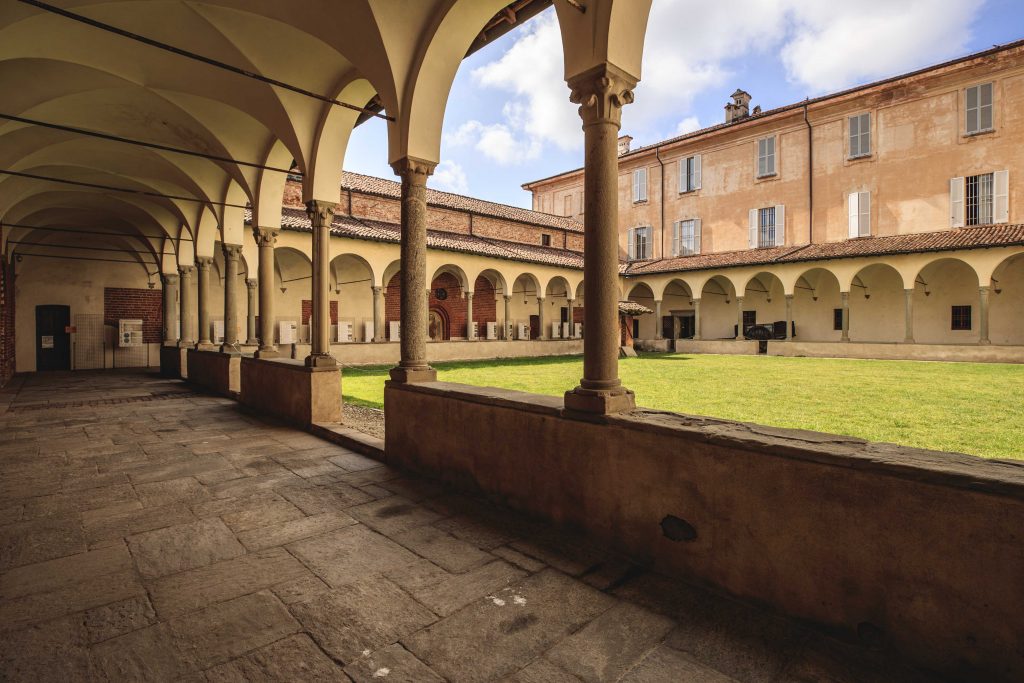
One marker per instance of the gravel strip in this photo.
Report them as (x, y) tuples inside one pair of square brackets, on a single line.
[(367, 420)]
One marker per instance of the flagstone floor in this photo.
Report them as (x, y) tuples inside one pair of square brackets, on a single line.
[(148, 532)]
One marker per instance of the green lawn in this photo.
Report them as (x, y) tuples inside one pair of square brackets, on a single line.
[(973, 408)]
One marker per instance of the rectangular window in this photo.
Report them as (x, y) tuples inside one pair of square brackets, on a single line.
[(837, 319), (567, 205), (686, 237), (766, 227), (860, 136), (860, 214), (980, 195), (639, 243), (766, 157), (640, 185), (961, 318), (749, 319), (545, 240), (689, 173), (978, 108)]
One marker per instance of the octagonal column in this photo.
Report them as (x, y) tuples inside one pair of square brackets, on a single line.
[(170, 285), (378, 314), (232, 252), (413, 365), (252, 287), (265, 239), (187, 303), (321, 214), (508, 318), (204, 263), (601, 94)]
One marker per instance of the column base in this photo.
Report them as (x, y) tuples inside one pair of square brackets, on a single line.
[(267, 352), (909, 340), (251, 342), (597, 402), (984, 342), (413, 375), (231, 349), (206, 346), (321, 360)]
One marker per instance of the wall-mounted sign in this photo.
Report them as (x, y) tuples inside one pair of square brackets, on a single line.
[(47, 341)]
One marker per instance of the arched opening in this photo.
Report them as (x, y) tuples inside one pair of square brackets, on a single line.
[(816, 298), (764, 305), (524, 308), (643, 325), (352, 283), (293, 308), (678, 312), (1006, 325), (718, 311), (877, 305), (946, 303), (557, 294)]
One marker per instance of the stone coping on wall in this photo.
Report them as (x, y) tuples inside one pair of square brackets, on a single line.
[(959, 470)]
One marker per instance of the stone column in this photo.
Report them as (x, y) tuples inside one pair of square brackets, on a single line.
[(846, 316), (572, 319), (657, 319), (321, 214), (188, 337), (908, 298), (469, 317), (204, 263), (378, 314), (170, 283), (601, 94), (541, 319), (265, 239), (789, 317), (413, 366), (252, 289), (983, 315), (696, 319), (508, 334), (739, 318), (232, 252)]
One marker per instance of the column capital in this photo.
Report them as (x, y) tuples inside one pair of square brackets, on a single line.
[(789, 297), (169, 279), (377, 289), (204, 262), (252, 284), (232, 251), (508, 298), (985, 289), (468, 295), (321, 212), (413, 169), (265, 237), (540, 299), (601, 93), (186, 271)]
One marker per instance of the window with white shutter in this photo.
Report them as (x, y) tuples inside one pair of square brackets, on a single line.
[(631, 244), (766, 157), (979, 199), (1001, 200), (640, 185), (686, 237), (978, 108), (767, 226), (752, 229), (956, 202), (779, 226), (689, 173), (860, 135), (860, 214)]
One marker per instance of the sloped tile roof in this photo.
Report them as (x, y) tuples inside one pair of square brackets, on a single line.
[(979, 237), (447, 200)]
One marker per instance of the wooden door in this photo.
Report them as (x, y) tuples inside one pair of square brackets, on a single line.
[(53, 342)]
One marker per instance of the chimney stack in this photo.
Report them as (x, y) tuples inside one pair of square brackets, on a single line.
[(739, 108), (624, 141)]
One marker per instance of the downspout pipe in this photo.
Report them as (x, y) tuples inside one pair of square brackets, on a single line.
[(657, 154), (810, 177)]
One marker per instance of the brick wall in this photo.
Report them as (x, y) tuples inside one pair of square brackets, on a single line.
[(135, 304), (307, 311), (453, 308), (6, 322)]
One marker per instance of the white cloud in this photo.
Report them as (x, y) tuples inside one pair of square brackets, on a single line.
[(451, 177), (688, 125), (693, 46)]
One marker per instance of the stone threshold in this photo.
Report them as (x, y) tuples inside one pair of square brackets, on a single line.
[(352, 439)]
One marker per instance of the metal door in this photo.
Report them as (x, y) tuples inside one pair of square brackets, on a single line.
[(53, 341)]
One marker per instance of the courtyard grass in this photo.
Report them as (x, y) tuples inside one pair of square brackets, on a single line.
[(975, 408)]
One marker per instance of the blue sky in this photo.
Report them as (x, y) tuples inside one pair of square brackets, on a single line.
[(509, 120)]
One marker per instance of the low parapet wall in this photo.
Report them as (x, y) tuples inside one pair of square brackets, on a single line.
[(919, 549), (287, 389), (977, 353), (216, 371), (387, 352)]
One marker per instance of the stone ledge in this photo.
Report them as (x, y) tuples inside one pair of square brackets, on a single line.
[(352, 439)]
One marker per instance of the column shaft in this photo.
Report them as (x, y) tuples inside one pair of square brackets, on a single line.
[(789, 317), (657, 319), (413, 365), (378, 314), (696, 319), (508, 333), (187, 302), (252, 290), (572, 319), (541, 319), (469, 317), (846, 316), (232, 252), (321, 214), (170, 284), (265, 239), (739, 318), (983, 315), (204, 264), (908, 298)]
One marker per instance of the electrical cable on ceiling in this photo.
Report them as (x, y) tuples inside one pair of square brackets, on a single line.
[(91, 232), (197, 57)]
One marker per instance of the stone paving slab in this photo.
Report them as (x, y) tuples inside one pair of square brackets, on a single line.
[(181, 538)]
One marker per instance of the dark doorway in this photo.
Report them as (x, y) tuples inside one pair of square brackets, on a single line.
[(53, 342), (534, 327), (687, 326), (668, 327), (636, 328)]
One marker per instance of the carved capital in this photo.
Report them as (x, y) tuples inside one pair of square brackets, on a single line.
[(204, 262), (602, 93), (232, 251), (508, 298), (186, 271), (252, 284), (321, 213), (265, 237), (168, 279), (377, 290), (414, 170)]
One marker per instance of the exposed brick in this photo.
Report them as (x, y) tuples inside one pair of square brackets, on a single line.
[(452, 308), (121, 303), (6, 321), (307, 311)]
